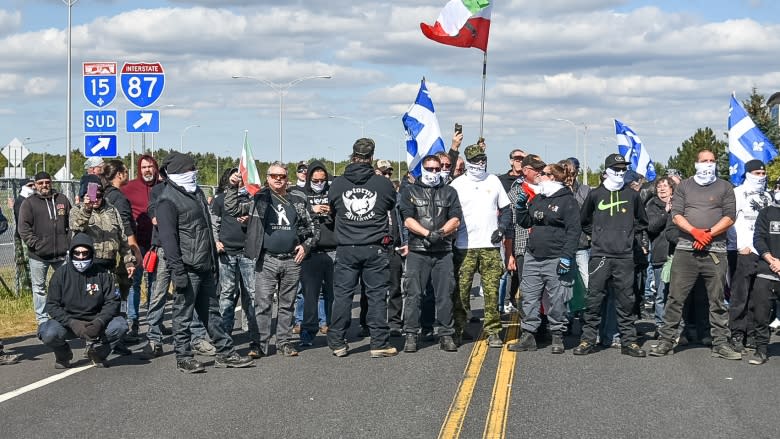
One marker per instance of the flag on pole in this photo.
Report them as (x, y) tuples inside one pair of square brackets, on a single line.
[(746, 142), (630, 146), (422, 130), (462, 23), (248, 169)]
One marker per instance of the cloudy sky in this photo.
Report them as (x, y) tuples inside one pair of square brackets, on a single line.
[(665, 68)]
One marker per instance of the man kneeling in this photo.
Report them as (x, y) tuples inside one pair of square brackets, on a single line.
[(82, 304)]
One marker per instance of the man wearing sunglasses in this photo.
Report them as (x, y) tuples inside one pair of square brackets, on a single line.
[(515, 169), (44, 226)]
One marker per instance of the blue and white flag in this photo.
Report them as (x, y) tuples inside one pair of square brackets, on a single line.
[(746, 142), (630, 146), (423, 136)]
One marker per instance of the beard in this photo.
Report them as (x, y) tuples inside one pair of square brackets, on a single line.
[(148, 178)]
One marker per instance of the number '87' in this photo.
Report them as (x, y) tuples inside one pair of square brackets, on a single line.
[(134, 88)]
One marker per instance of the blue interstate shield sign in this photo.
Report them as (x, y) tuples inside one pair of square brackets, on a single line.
[(142, 83), (99, 82)]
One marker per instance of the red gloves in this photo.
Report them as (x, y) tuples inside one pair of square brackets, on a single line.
[(702, 238)]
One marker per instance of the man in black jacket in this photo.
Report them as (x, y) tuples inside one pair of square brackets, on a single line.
[(44, 226), (612, 215), (360, 201), (184, 226), (766, 240), (431, 212), (82, 303)]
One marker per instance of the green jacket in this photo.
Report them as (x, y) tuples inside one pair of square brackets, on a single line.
[(104, 226)]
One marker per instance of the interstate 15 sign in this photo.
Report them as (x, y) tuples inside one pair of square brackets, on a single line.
[(99, 82), (142, 83)]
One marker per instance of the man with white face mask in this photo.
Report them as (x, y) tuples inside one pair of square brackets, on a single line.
[(703, 208), (751, 196), (612, 215), (486, 219)]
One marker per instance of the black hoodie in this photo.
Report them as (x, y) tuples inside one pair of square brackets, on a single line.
[(83, 296), (44, 225), (553, 223), (360, 201), (323, 221)]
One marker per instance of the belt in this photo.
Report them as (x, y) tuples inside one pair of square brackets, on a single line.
[(281, 256)]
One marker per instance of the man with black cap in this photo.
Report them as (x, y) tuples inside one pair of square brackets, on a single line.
[(44, 225), (486, 220), (703, 209), (360, 201), (300, 174), (184, 226), (82, 303), (751, 196), (612, 215)]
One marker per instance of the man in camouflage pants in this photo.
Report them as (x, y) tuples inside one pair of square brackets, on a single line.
[(486, 220)]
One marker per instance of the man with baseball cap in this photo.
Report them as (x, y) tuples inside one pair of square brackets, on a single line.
[(612, 215), (385, 168)]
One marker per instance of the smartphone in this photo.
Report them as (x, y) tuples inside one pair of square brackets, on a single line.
[(458, 128), (92, 191)]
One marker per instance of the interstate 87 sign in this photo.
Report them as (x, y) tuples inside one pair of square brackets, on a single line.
[(142, 83), (99, 82)]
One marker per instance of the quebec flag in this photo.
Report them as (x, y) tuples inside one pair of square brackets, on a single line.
[(423, 136), (630, 146), (746, 142)]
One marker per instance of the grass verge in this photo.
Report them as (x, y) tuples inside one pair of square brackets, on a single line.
[(17, 316)]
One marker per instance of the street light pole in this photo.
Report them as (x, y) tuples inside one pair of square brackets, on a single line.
[(334, 158), (584, 154), (69, 4), (181, 140), (576, 134), (281, 89)]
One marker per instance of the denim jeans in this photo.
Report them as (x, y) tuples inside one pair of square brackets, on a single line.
[(300, 306), (237, 278), (199, 298), (134, 297), (39, 271), (317, 286), (272, 273), (661, 291), (56, 336), (157, 300)]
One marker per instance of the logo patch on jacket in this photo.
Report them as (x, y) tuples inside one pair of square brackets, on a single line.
[(359, 203), (60, 209), (774, 227), (92, 289)]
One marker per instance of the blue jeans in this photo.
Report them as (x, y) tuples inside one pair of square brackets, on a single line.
[(56, 336), (39, 271), (661, 290), (237, 277), (134, 297), (157, 300), (300, 303)]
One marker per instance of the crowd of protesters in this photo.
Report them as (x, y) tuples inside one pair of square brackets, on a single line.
[(697, 257)]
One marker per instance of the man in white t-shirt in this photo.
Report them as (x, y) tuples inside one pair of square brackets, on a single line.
[(486, 220)]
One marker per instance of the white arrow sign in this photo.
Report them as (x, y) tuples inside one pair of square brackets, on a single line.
[(146, 119), (103, 143)]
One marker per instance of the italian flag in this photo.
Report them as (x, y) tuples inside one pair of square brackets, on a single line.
[(248, 169), (462, 23)]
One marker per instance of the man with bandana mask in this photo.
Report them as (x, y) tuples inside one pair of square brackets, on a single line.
[(82, 303), (751, 196), (612, 215), (431, 212), (486, 219), (184, 226), (703, 209)]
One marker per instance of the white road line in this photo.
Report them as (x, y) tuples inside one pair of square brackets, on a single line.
[(22, 390)]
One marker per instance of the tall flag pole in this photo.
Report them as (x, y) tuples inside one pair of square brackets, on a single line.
[(746, 142), (422, 130), (248, 168), (464, 23), (631, 147)]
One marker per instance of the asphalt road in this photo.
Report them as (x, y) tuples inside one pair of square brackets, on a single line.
[(605, 394)]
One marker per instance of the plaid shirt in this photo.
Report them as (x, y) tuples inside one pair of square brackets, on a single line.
[(521, 234)]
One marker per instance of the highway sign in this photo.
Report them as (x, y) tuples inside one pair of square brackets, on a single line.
[(15, 152), (100, 121), (99, 82), (100, 146), (143, 121), (142, 83)]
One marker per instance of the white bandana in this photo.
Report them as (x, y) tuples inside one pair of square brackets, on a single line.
[(549, 187), (476, 171), (428, 178), (318, 187), (81, 266), (187, 180), (755, 183), (26, 191), (614, 180), (444, 175), (705, 174)]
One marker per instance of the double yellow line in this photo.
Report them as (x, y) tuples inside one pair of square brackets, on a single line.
[(495, 425)]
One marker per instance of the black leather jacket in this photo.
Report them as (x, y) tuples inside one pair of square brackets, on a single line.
[(432, 207)]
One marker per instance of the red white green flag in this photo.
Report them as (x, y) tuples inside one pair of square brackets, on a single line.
[(462, 23), (248, 169)]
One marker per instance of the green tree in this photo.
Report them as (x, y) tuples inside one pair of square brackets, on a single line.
[(703, 138), (756, 107)]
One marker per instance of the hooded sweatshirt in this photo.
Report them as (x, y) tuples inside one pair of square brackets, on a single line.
[(323, 221), (360, 201), (44, 226), (83, 296), (137, 192)]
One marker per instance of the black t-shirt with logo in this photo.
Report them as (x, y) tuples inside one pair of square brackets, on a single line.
[(280, 232)]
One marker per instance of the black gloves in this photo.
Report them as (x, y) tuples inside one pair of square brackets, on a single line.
[(78, 327), (94, 329), (434, 236), (522, 200), (497, 236)]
